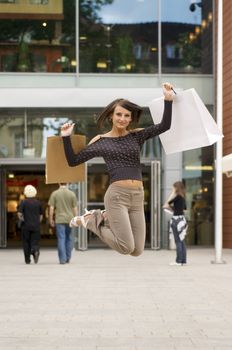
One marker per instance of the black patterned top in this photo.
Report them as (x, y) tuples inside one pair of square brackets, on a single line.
[(122, 153)]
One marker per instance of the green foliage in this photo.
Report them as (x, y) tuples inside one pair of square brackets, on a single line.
[(191, 50), (89, 9), (24, 61), (125, 50)]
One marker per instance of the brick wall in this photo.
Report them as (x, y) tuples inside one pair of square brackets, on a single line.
[(227, 120)]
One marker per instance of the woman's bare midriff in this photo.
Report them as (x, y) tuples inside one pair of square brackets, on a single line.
[(129, 183)]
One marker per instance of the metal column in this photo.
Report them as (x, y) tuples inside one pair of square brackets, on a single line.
[(3, 236), (155, 205)]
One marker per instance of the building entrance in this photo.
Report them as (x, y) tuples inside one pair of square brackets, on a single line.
[(97, 185), (90, 195), (14, 181)]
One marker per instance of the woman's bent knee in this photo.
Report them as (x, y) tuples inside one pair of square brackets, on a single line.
[(137, 252), (127, 249)]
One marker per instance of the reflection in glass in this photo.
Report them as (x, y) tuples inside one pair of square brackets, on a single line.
[(38, 38), (187, 36), (198, 177), (118, 36), (39, 2), (23, 133), (97, 184)]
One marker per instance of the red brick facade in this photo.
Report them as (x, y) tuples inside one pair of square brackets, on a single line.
[(227, 120)]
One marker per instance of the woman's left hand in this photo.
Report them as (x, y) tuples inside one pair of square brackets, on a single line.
[(168, 92)]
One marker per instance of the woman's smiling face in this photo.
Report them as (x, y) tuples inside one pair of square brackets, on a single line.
[(121, 117)]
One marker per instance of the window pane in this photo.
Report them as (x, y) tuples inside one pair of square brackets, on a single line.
[(39, 2), (23, 133), (118, 36), (38, 36), (187, 36), (198, 175)]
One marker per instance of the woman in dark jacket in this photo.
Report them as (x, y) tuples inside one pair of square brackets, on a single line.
[(31, 213)]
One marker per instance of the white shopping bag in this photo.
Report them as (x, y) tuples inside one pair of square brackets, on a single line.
[(227, 164), (192, 124)]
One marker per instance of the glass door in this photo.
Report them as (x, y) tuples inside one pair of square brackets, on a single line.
[(155, 205), (3, 240), (97, 185)]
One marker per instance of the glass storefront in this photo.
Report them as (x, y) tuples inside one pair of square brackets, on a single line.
[(187, 36), (38, 36), (15, 182), (98, 183), (125, 37), (18, 176), (119, 36), (23, 135), (114, 36), (24, 132), (198, 176)]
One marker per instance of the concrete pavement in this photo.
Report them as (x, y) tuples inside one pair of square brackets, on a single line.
[(103, 300)]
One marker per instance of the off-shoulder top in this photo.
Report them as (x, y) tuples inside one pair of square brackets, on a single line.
[(122, 153)]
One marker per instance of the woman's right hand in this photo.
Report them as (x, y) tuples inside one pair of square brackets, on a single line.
[(168, 91), (66, 129)]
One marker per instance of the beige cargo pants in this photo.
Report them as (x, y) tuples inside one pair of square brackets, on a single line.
[(124, 230)]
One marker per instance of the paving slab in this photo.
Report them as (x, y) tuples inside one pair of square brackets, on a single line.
[(106, 301)]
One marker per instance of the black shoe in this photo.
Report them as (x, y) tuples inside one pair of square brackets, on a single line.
[(27, 261), (68, 261), (62, 262), (36, 257)]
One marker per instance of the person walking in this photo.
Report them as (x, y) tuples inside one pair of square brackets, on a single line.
[(122, 224), (30, 213), (178, 224), (62, 207)]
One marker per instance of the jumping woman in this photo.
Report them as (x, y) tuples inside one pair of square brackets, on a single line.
[(122, 224)]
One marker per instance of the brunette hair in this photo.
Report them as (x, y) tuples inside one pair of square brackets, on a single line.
[(109, 110), (180, 188)]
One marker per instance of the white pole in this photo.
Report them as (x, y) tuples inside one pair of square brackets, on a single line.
[(218, 172)]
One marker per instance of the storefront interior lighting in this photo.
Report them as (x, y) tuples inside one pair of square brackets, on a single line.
[(201, 190), (11, 176), (197, 30), (101, 65), (210, 17), (199, 167), (191, 36), (44, 24), (204, 23)]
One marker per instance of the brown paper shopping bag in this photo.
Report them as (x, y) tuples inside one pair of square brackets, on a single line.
[(192, 124), (57, 168)]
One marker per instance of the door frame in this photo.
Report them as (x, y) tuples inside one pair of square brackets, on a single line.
[(3, 210), (81, 189), (155, 204), (12, 165)]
